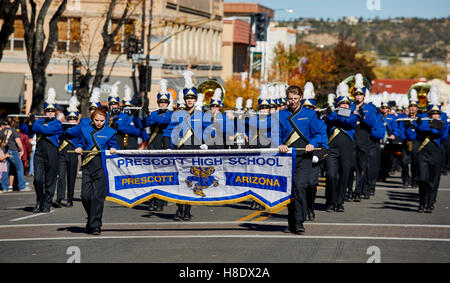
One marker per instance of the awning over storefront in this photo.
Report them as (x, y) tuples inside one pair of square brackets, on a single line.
[(11, 85)]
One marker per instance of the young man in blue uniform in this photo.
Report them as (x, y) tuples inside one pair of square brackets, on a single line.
[(185, 131), (366, 121), (299, 128), (341, 125), (48, 131), (68, 162), (429, 134), (158, 121)]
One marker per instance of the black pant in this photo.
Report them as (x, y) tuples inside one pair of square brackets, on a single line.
[(311, 189), (339, 165), (297, 209), (429, 161), (45, 172), (374, 168), (93, 192), (362, 142), (68, 165)]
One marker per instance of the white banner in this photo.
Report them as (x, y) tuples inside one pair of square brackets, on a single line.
[(200, 177)]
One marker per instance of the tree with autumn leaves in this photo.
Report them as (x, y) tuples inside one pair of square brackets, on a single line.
[(296, 65)]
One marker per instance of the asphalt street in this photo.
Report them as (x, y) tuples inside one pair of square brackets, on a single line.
[(386, 228)]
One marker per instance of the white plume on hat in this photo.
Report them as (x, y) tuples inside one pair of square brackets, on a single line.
[(239, 101), (217, 94), (385, 97), (127, 96), (163, 86), (115, 90), (271, 89), (331, 97), (199, 103), (308, 92), (434, 95), (249, 103), (342, 90), (359, 81), (376, 100), (95, 96), (51, 96), (413, 95), (264, 92), (404, 100), (188, 83), (170, 106), (73, 104), (180, 99), (282, 89), (367, 97)]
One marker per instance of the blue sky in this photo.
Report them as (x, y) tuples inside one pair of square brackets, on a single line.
[(336, 9)]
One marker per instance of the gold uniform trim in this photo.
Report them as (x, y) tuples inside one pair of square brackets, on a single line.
[(63, 145), (187, 136), (153, 136), (424, 143), (293, 137), (336, 132)]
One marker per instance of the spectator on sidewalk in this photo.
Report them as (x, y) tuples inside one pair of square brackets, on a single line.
[(15, 149)]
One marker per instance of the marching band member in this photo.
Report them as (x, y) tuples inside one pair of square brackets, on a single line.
[(366, 121), (94, 137), (132, 141), (318, 156), (215, 134), (68, 162), (405, 158), (392, 140), (429, 134), (185, 131), (259, 129), (158, 121), (48, 131), (341, 126), (120, 121), (299, 128), (412, 144), (94, 103), (376, 135)]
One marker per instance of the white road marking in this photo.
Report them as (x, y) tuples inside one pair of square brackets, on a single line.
[(30, 216), (228, 236)]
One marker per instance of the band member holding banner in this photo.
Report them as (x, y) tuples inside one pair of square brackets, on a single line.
[(68, 162), (158, 121), (185, 131), (94, 138), (299, 128), (48, 131), (341, 126), (429, 132), (366, 121)]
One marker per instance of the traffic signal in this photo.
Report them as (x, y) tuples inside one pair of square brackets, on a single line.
[(130, 46), (261, 21)]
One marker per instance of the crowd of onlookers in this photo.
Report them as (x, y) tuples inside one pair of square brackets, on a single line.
[(16, 155)]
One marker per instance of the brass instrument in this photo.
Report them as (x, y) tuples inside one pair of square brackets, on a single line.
[(350, 81), (422, 94), (207, 88)]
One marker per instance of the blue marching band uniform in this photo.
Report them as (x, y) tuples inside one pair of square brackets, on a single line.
[(339, 141)]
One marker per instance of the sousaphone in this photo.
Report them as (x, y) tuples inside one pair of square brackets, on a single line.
[(207, 88), (350, 81), (422, 94)]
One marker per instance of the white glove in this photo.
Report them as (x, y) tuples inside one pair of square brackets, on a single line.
[(204, 147), (315, 159)]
